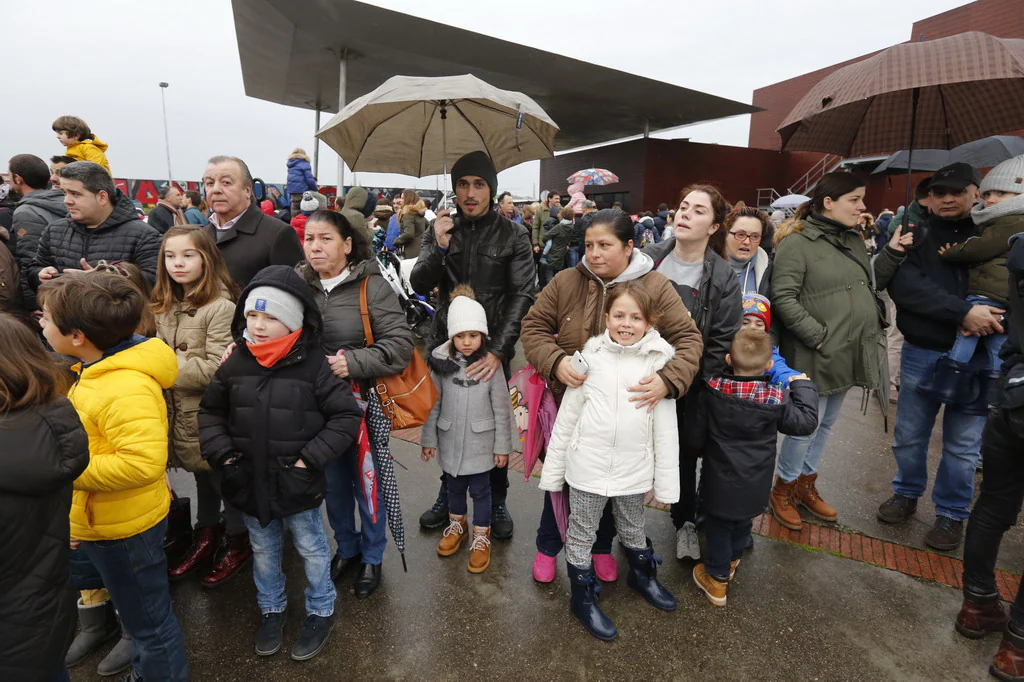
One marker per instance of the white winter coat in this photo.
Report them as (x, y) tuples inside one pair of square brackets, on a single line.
[(601, 442)]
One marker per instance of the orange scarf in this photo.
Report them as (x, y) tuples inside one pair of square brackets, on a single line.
[(270, 353)]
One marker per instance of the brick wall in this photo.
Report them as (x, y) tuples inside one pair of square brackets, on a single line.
[(625, 160)]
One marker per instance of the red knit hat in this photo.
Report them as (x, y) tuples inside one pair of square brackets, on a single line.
[(758, 306)]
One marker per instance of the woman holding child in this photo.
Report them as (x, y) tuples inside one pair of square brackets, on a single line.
[(568, 312), (339, 262)]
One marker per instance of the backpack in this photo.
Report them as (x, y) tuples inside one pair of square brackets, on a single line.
[(645, 232)]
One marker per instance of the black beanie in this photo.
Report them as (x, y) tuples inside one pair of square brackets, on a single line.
[(478, 164)]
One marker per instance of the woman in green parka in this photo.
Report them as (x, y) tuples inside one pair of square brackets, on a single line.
[(823, 296)]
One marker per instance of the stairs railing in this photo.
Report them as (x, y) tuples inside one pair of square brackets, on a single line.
[(809, 179)]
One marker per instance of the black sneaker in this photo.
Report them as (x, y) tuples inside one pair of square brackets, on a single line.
[(313, 637), (270, 635), (501, 522), (436, 516), (945, 534), (897, 509)]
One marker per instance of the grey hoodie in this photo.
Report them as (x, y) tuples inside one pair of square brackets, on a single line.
[(34, 212), (355, 200)]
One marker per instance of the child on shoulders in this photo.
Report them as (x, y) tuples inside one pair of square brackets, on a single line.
[(81, 143)]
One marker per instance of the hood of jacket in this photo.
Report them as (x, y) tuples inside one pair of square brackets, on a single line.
[(419, 208), (146, 356), (355, 200), (650, 344), (94, 142), (287, 279), (297, 161), (51, 200), (639, 265)]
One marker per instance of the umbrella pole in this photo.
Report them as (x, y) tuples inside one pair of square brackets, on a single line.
[(444, 150), (915, 98)]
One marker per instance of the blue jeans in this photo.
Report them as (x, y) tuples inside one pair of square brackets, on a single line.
[(310, 538), (964, 346), (915, 419), (134, 571), (725, 541), (800, 454), (344, 490)]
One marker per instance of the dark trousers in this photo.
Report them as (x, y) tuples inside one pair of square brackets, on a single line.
[(134, 570), (724, 542), (996, 511), (549, 540), (685, 510), (479, 486)]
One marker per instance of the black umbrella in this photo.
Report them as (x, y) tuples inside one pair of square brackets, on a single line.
[(378, 429), (984, 153)]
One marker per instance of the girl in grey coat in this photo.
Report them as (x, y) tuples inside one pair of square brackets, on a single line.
[(469, 428)]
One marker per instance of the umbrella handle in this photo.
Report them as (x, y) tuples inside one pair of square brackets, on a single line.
[(444, 147)]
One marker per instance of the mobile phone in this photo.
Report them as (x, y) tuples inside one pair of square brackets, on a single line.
[(579, 363)]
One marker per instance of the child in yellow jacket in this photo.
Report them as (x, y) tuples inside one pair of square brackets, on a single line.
[(74, 133), (120, 503)]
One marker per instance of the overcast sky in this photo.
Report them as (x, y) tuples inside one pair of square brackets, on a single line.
[(102, 60)]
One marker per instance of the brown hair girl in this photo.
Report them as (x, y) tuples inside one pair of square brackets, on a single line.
[(28, 375), (214, 280)]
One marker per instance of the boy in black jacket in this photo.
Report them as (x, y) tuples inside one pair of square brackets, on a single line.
[(744, 414), (271, 419)]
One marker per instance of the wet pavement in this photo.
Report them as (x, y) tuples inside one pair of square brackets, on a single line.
[(793, 614)]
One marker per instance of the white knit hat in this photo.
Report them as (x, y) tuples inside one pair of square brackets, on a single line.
[(277, 303), (312, 201), (1006, 177), (466, 315)]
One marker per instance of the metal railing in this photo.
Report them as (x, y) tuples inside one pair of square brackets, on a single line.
[(808, 180), (765, 197)]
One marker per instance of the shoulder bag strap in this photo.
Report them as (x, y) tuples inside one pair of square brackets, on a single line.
[(364, 312)]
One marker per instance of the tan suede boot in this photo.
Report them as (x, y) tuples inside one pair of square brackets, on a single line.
[(454, 535), (806, 493), (783, 506), (480, 550)]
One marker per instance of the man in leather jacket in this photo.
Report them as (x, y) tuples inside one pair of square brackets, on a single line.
[(486, 250)]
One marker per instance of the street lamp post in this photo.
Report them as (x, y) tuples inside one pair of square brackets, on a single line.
[(167, 138)]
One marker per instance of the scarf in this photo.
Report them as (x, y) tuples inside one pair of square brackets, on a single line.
[(272, 352), (179, 217), (983, 215), (746, 273)]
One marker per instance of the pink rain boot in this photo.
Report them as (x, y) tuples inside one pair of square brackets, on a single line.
[(605, 567), (543, 568)]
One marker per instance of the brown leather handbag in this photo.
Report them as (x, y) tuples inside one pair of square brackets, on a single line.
[(407, 397)]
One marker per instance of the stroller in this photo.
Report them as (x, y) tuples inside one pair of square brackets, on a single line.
[(418, 311)]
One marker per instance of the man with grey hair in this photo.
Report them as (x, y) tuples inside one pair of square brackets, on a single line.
[(101, 225), (167, 212), (249, 239)]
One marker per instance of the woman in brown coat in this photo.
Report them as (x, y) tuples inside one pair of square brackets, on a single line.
[(412, 220), (568, 312), (193, 302)]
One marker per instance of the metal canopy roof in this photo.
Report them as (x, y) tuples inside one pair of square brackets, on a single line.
[(291, 50)]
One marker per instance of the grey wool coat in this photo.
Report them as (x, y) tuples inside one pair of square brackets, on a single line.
[(471, 420)]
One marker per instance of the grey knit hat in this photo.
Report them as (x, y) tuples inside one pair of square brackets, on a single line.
[(1006, 177), (277, 303)]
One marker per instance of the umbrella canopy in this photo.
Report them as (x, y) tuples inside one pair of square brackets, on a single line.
[(593, 176), (963, 88), (790, 201), (984, 153), (420, 126)]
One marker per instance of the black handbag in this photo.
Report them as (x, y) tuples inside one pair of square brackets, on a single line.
[(178, 538)]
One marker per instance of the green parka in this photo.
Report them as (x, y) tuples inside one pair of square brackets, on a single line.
[(822, 294)]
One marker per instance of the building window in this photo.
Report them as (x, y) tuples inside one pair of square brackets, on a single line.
[(606, 199)]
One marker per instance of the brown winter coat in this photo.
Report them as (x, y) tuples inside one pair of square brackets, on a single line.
[(198, 337), (413, 222), (572, 306)]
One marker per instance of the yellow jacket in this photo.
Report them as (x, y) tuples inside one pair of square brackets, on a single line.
[(121, 404), (90, 150)]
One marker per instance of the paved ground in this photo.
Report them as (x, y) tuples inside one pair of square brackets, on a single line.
[(793, 614)]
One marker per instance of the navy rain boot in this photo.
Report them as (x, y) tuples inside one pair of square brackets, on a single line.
[(643, 577), (584, 604)]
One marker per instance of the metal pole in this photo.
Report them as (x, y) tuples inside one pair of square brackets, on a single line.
[(444, 151), (167, 138), (342, 86), (916, 96), (316, 144)]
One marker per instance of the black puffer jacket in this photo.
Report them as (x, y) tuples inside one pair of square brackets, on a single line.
[(739, 445), (343, 325), (270, 417), (64, 243), (44, 450), (34, 212), (494, 256)]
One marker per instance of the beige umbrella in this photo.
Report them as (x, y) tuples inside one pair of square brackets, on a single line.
[(419, 126)]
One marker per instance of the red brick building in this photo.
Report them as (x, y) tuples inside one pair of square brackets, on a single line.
[(653, 171)]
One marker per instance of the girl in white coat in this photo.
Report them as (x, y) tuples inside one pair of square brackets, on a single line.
[(604, 447)]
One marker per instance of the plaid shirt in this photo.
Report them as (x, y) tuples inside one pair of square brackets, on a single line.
[(758, 391)]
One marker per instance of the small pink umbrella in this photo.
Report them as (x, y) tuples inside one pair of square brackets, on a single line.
[(593, 176)]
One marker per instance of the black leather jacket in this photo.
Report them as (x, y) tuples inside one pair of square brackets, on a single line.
[(494, 256)]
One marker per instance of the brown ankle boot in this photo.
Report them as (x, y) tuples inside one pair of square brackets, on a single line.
[(806, 493), (980, 615), (454, 535), (782, 505), (480, 550), (1008, 663)]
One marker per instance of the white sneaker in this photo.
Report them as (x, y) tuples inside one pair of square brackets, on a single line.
[(686, 542)]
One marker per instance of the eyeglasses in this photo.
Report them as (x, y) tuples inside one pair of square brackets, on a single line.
[(940, 192), (744, 236)]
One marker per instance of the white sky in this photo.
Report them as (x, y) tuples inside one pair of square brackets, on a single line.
[(102, 60)]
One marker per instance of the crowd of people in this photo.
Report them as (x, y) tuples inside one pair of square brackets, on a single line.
[(218, 339)]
